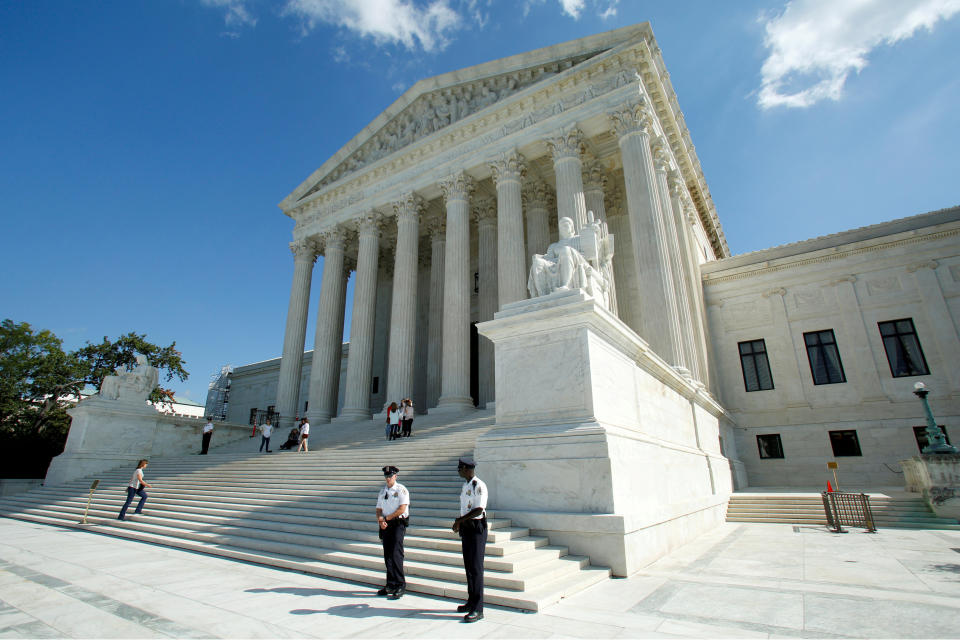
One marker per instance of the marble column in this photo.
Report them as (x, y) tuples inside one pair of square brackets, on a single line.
[(678, 266), (403, 316), (633, 125), (438, 244), (595, 180), (349, 266), (423, 327), (455, 379), (566, 149), (485, 212), (624, 264), (291, 363), (356, 403), (511, 262), (538, 201), (328, 337)]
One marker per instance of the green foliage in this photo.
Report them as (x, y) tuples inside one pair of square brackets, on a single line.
[(39, 381)]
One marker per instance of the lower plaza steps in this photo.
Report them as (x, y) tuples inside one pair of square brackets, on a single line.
[(315, 512), (891, 509)]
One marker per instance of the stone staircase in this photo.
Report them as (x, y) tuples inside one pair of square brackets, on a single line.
[(890, 510), (314, 512)]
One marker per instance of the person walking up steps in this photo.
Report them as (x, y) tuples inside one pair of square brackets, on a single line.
[(304, 434), (265, 430), (393, 516), (135, 487), (472, 527), (207, 434)]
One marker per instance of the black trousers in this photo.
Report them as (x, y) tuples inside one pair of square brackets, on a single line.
[(264, 440), (130, 493), (206, 443), (473, 542), (392, 538), (407, 426)]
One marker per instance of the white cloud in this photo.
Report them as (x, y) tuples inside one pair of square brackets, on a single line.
[(815, 44), (404, 22), (237, 14), (610, 11), (573, 8)]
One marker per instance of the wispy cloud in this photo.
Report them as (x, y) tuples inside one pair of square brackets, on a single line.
[(573, 8), (406, 22), (814, 45), (236, 15)]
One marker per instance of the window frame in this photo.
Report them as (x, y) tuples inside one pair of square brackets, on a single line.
[(898, 336), (753, 355), (856, 440), (761, 450), (822, 346)]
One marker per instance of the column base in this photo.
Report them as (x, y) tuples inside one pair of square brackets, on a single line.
[(352, 415), (453, 405), (320, 417)]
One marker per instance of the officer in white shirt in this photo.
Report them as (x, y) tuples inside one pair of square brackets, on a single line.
[(207, 433), (393, 516), (266, 429), (472, 527)]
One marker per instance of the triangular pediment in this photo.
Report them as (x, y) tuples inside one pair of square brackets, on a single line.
[(435, 103)]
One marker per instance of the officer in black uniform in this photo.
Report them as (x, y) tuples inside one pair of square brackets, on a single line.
[(393, 515), (472, 527)]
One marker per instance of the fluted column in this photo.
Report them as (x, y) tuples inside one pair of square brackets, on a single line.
[(487, 247), (511, 263), (678, 267), (403, 316), (349, 266), (328, 337), (566, 149), (356, 402), (291, 363), (595, 181), (438, 245), (633, 125), (538, 201), (455, 381)]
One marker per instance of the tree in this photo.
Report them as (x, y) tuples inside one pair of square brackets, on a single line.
[(39, 381)]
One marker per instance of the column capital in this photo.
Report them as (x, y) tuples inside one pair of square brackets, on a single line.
[(848, 278), (437, 229), (334, 237), (304, 250), (537, 194), (459, 186), (409, 207), (594, 176), (661, 155), (689, 209), (510, 166), (565, 144), (369, 223), (613, 203), (485, 212), (635, 117), (677, 186)]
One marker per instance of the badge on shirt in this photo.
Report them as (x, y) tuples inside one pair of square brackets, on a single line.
[(395, 494), (468, 492)]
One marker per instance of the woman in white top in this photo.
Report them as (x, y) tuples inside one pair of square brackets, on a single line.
[(393, 421), (304, 434), (135, 487), (266, 429), (407, 417)]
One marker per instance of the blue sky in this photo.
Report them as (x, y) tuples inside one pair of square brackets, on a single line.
[(144, 145)]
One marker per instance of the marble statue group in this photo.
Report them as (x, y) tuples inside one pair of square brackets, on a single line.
[(131, 386)]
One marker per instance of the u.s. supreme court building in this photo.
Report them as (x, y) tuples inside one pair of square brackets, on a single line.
[(790, 357)]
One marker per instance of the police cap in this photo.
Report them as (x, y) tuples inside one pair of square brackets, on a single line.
[(467, 462), (390, 470)]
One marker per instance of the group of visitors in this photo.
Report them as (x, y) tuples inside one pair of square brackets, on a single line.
[(298, 436), (400, 419)]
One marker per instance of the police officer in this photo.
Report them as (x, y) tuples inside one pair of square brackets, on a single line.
[(472, 527), (393, 515)]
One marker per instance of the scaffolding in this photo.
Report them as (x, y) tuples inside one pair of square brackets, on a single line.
[(218, 394)]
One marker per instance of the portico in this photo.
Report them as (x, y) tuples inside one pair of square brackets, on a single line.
[(442, 199)]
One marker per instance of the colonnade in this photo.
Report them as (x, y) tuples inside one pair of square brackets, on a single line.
[(656, 273)]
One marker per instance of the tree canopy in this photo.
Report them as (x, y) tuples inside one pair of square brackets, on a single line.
[(39, 381)]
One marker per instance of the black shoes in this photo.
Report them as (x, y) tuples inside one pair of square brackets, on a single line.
[(463, 608), (473, 616), (383, 592), (396, 595)]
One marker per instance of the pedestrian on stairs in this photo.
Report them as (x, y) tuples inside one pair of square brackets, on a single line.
[(393, 516), (393, 421), (265, 430), (407, 420), (472, 527), (304, 434), (135, 488), (207, 434)]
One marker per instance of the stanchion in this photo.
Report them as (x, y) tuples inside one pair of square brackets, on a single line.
[(93, 487)]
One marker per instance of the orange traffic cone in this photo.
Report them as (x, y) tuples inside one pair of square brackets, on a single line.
[(829, 488)]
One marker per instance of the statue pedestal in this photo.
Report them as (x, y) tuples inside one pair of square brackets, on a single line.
[(937, 477), (599, 443)]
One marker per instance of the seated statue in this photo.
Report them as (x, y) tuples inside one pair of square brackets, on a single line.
[(575, 262), (131, 386)]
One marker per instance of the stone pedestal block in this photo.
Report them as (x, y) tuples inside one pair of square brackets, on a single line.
[(937, 477), (598, 443)]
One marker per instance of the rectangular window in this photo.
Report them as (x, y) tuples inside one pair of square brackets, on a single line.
[(845, 443), (253, 416), (920, 433), (375, 385), (756, 368), (903, 348), (825, 365), (770, 446)]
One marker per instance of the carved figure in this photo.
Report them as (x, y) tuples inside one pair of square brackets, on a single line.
[(130, 386), (575, 262)]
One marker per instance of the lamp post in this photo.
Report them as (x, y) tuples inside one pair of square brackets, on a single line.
[(936, 443)]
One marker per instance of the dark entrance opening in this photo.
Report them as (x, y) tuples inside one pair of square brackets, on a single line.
[(474, 364)]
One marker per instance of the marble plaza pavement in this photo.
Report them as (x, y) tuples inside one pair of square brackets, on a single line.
[(742, 580)]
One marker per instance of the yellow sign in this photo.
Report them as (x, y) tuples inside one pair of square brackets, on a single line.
[(832, 465)]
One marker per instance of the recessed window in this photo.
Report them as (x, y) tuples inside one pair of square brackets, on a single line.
[(756, 368), (903, 348), (770, 446), (825, 365), (376, 385), (845, 443), (920, 433)]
